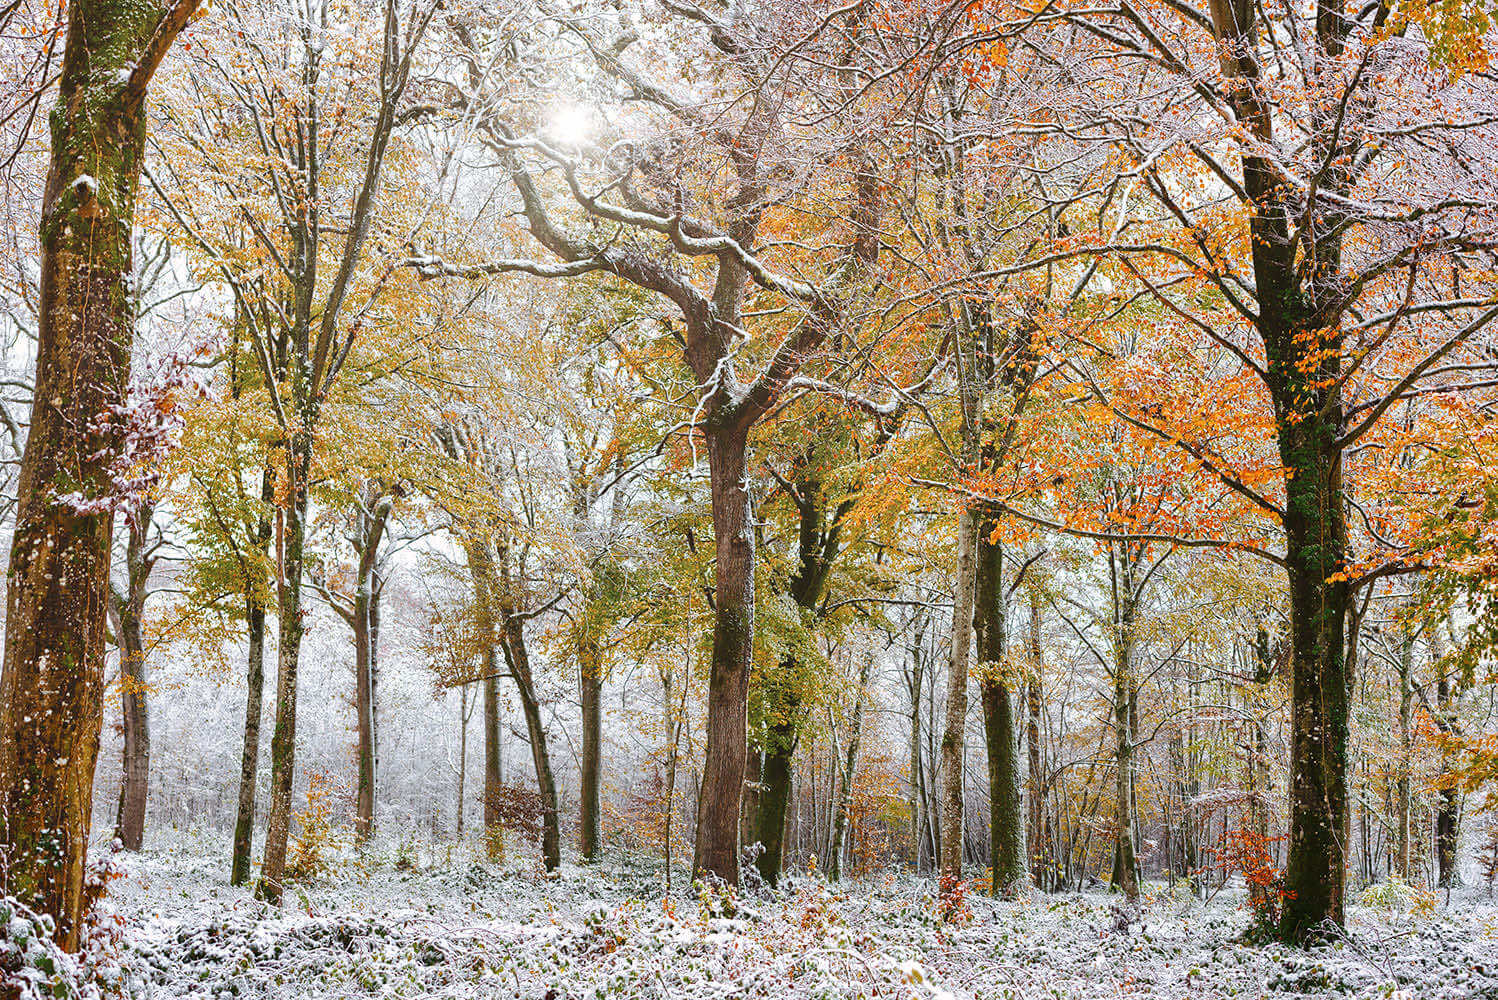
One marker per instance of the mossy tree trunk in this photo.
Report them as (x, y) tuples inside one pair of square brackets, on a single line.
[(1125, 695), (291, 540), (1309, 418), (52, 684), (990, 621), (590, 683), (1300, 290), (1317, 862), (817, 548), (775, 793)]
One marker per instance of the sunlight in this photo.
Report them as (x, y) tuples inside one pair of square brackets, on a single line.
[(570, 126)]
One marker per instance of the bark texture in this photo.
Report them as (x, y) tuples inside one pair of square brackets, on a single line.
[(953, 737), (590, 683), (1316, 531), (716, 853), (51, 687), (291, 538), (1006, 825)]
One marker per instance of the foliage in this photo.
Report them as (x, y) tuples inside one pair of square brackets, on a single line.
[(1250, 855), (314, 852), (34, 967), (1396, 896), (517, 808)]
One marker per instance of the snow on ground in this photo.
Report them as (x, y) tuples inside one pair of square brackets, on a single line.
[(444, 924)]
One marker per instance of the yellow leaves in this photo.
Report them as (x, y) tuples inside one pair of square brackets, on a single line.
[(1458, 32)]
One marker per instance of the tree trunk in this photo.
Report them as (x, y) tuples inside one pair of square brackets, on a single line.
[(288, 655), (1448, 825), (917, 795), (1125, 852), (52, 685), (374, 514), (775, 793), (376, 593), (590, 679), (520, 669), (364, 777), (249, 762), (131, 818), (1125, 857), (674, 717), (1035, 782), (127, 606), (782, 693), (930, 773), (517, 658), (481, 570), (754, 767), (954, 737), (1406, 719), (850, 763), (716, 854), (493, 767), (1316, 536), (1448, 803), (1005, 827), (462, 752)]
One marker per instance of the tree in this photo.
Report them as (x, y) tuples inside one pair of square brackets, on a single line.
[(496, 560), (127, 601), (290, 170), (223, 497), (709, 269), (1285, 250), (849, 772), (374, 503), (823, 483), (51, 688)]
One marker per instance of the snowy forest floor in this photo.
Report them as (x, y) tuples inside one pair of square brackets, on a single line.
[(446, 924)]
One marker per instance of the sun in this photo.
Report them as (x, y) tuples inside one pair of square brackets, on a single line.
[(570, 125)]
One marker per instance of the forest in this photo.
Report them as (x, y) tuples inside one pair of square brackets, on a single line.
[(924, 499)]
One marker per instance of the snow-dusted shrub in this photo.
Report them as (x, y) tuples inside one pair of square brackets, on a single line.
[(1397, 896), (33, 967)]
